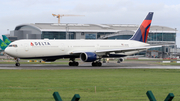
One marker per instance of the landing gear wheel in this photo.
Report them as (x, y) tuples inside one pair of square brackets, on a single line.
[(17, 64), (76, 64), (99, 64), (73, 63), (93, 64), (70, 63), (17, 61), (96, 64)]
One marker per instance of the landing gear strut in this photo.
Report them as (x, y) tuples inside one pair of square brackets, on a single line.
[(97, 63), (17, 62), (73, 63)]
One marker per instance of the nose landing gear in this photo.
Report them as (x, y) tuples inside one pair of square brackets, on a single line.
[(17, 62)]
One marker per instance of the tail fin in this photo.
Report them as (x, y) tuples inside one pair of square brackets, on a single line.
[(143, 31), (2, 45), (6, 40)]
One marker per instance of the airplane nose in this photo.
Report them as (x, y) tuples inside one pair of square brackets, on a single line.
[(8, 51), (11, 51)]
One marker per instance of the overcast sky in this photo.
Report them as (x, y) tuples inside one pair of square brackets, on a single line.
[(16, 12)]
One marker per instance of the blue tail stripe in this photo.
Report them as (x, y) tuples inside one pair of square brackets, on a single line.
[(146, 31)]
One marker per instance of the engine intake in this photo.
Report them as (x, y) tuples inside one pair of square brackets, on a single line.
[(88, 57)]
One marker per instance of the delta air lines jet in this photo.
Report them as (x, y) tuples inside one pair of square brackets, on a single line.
[(87, 50)]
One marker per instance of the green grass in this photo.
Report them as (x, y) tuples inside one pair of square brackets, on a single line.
[(111, 84)]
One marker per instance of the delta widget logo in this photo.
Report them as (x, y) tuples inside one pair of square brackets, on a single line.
[(32, 44)]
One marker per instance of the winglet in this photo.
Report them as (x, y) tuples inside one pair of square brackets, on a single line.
[(6, 40), (2, 45), (143, 31)]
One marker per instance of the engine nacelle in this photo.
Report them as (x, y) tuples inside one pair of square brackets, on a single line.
[(88, 57)]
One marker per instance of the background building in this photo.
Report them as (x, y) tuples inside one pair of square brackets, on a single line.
[(157, 35)]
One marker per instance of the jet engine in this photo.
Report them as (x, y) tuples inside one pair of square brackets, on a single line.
[(88, 57)]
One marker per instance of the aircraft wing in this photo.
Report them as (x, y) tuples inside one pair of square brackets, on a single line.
[(127, 49), (119, 49)]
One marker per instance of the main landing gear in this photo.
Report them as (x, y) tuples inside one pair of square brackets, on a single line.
[(73, 63), (96, 63), (17, 62)]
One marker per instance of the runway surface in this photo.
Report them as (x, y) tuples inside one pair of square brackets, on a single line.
[(111, 65)]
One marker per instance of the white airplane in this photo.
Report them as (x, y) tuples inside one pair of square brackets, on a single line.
[(87, 50)]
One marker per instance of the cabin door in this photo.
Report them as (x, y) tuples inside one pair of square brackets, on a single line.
[(26, 47)]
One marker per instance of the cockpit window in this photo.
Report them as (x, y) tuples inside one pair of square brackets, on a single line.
[(13, 45)]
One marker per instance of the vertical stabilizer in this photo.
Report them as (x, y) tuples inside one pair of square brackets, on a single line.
[(143, 31), (2, 45), (6, 40)]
